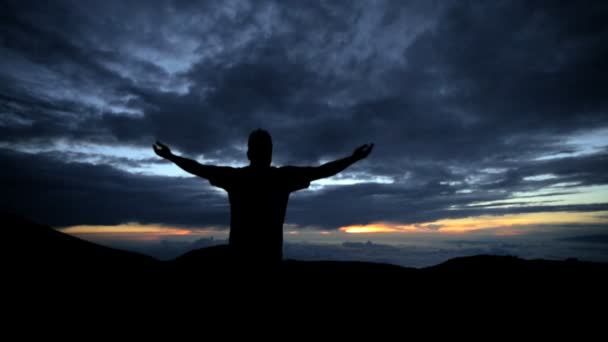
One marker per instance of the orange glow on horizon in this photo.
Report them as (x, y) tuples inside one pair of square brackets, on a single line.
[(126, 229), (370, 228), (507, 225), (462, 225), (132, 231)]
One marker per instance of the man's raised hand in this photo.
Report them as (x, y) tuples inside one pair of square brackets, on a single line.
[(363, 151), (162, 150)]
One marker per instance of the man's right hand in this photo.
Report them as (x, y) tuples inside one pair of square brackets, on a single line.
[(363, 151), (162, 150)]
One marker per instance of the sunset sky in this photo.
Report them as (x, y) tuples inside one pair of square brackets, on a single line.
[(489, 118)]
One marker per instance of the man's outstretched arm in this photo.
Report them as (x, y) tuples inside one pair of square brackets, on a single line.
[(188, 165), (336, 166)]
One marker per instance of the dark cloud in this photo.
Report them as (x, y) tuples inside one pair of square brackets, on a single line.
[(433, 254), (593, 239), (462, 100), (422, 255), (49, 190)]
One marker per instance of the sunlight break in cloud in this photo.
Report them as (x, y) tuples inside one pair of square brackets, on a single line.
[(462, 225), (133, 231)]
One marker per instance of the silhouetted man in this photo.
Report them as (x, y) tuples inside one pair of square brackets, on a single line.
[(258, 193)]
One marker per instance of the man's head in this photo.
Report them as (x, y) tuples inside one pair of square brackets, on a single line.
[(260, 148)]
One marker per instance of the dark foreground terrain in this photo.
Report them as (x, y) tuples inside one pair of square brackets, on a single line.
[(45, 264)]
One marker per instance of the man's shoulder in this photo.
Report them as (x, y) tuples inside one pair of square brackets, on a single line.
[(294, 168), (273, 171)]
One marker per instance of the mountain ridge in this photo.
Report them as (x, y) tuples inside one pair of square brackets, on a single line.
[(60, 261)]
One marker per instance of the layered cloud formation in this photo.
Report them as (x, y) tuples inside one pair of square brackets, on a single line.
[(478, 110)]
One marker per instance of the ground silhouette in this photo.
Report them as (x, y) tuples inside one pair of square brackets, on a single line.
[(258, 195), (42, 256), (52, 278)]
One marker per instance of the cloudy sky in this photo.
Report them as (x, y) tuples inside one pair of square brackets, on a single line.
[(490, 120)]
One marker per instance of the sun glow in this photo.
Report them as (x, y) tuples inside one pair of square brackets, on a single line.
[(132, 231), (461, 225), (373, 228)]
